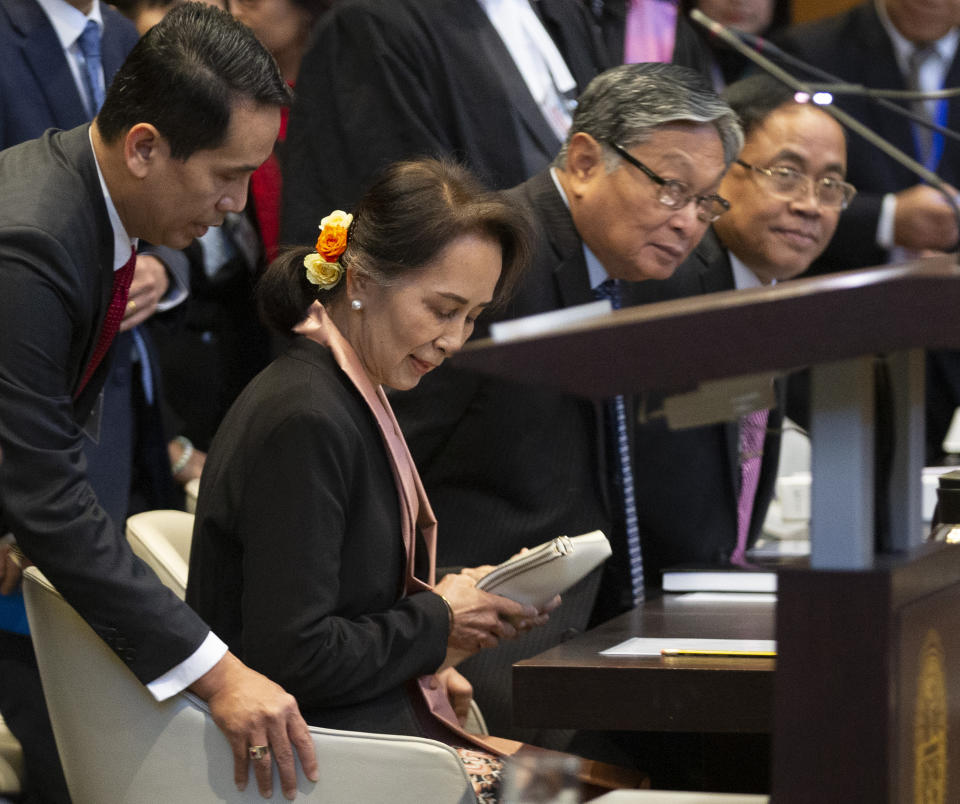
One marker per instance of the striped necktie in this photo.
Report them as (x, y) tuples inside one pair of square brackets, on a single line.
[(618, 435)]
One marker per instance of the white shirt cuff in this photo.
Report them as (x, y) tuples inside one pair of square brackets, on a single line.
[(176, 294), (178, 678), (888, 213)]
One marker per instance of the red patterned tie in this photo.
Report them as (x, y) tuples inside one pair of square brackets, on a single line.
[(111, 323)]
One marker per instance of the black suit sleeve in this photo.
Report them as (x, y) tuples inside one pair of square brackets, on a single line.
[(46, 500)]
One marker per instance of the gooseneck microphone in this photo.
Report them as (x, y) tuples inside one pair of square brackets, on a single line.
[(931, 178)]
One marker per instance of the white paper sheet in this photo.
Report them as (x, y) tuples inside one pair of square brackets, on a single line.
[(652, 646)]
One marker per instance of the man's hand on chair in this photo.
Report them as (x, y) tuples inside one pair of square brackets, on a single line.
[(252, 711)]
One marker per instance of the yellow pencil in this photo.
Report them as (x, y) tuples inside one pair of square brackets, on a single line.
[(763, 654)]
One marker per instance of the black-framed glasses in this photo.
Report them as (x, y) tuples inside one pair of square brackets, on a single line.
[(789, 183), (675, 194)]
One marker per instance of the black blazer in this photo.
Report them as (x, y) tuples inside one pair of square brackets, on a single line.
[(855, 46), (688, 481), (56, 260), (298, 558), (389, 81)]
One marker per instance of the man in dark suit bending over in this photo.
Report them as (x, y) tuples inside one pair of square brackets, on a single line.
[(704, 491), (192, 113)]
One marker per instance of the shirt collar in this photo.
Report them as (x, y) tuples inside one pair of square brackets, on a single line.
[(69, 22), (122, 242), (596, 273), (743, 277)]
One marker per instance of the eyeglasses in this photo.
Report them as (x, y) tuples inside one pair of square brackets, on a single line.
[(789, 183), (675, 194)]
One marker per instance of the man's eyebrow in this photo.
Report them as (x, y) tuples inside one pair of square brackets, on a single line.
[(793, 156)]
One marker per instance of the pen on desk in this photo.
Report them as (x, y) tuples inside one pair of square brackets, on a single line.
[(762, 654)]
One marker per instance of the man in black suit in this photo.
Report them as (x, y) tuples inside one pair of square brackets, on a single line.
[(893, 216), (43, 84), (695, 486), (388, 81), (506, 466), (149, 166), (39, 43)]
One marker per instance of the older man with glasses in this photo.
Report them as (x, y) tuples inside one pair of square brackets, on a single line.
[(629, 196), (704, 491)]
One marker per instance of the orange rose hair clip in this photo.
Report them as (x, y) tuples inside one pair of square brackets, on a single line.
[(323, 266)]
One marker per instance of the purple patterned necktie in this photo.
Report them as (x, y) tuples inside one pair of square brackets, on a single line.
[(753, 430)]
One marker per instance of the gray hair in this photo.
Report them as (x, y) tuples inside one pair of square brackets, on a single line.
[(627, 104)]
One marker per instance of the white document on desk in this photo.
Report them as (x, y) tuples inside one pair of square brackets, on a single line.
[(724, 597), (652, 646)]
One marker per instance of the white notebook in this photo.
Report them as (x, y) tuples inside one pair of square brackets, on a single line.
[(535, 577)]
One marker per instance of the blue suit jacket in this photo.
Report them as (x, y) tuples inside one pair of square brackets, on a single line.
[(37, 90)]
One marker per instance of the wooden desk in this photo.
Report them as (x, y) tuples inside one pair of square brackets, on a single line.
[(572, 686)]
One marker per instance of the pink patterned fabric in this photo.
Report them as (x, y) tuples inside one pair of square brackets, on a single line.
[(651, 29), (753, 430)]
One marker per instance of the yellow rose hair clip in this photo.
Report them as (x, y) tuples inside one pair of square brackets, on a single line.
[(323, 266)]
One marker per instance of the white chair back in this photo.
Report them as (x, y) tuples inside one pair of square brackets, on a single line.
[(118, 744)]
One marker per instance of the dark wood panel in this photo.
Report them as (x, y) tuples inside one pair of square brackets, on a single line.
[(675, 345)]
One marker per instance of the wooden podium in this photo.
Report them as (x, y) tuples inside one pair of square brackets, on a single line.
[(867, 684)]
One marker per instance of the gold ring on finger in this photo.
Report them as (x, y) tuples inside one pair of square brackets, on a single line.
[(258, 751)]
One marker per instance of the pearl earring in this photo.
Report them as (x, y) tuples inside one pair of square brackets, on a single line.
[(356, 304)]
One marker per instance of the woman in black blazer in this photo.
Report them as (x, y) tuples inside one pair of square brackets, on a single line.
[(313, 551)]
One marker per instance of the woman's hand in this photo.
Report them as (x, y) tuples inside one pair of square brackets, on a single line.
[(459, 691), (480, 620)]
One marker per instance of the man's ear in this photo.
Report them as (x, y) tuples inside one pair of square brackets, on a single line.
[(584, 159), (143, 147)]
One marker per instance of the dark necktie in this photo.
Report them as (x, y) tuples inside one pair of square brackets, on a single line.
[(93, 78), (924, 136), (111, 322), (623, 465), (89, 43), (753, 431)]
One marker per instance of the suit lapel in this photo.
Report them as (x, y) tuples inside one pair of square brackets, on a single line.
[(77, 149), (571, 283), (500, 60), (716, 274), (44, 55), (114, 52)]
